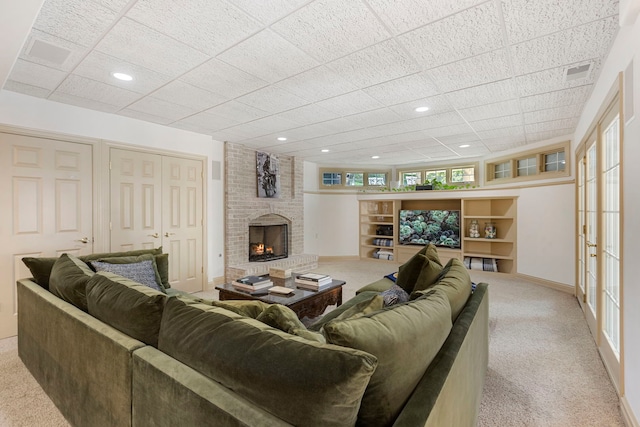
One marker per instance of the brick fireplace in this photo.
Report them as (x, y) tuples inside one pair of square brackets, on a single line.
[(245, 208)]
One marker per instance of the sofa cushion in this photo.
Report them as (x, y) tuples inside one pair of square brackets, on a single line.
[(133, 260), (422, 266), (455, 282), (40, 268), (141, 272), (248, 308), (283, 318), (363, 308), (68, 280), (377, 286), (300, 381), (362, 296), (126, 305), (405, 338)]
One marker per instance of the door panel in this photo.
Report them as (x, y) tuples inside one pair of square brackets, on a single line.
[(136, 200), (47, 186), (592, 240), (182, 222)]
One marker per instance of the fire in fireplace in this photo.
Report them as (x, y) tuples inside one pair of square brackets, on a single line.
[(268, 242)]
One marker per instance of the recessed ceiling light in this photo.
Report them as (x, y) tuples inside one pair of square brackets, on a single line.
[(422, 109), (465, 146), (325, 150), (375, 157), (282, 138), (122, 76)]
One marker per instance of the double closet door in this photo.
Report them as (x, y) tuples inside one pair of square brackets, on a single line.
[(157, 200)]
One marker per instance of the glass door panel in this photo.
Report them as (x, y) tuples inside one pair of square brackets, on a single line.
[(582, 241), (592, 230)]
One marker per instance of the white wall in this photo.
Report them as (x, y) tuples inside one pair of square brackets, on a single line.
[(331, 224), (43, 115), (625, 49), (546, 233)]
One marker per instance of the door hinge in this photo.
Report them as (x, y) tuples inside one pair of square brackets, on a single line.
[(584, 229)]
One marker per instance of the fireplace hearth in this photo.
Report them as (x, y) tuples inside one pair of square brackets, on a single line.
[(268, 242)]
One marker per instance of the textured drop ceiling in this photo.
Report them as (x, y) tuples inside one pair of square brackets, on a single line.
[(342, 75)]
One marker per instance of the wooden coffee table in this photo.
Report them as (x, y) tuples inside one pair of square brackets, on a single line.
[(304, 302)]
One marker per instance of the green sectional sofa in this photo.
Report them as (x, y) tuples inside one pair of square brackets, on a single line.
[(147, 357)]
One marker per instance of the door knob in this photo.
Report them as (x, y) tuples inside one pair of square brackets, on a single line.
[(154, 235), (167, 234), (84, 240)]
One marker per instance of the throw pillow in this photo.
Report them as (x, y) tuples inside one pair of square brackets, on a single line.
[(308, 383), (135, 259), (432, 253), (162, 262), (455, 282), (405, 338), (392, 276), (40, 269), (429, 274), (141, 272), (68, 280), (126, 305), (409, 271), (394, 295), (283, 318)]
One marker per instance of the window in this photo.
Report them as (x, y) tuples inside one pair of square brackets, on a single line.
[(554, 161), (355, 179), (438, 175), (502, 170), (331, 178), (547, 162), (463, 175), (377, 179), (527, 167), (411, 178)]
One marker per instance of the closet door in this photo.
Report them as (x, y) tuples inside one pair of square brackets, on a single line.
[(182, 218), (46, 196), (136, 200)]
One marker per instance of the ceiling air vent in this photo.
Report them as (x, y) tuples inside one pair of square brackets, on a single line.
[(577, 72), (49, 52)]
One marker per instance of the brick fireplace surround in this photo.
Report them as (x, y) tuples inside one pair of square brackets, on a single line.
[(243, 205)]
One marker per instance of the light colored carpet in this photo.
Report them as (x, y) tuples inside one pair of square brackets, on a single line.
[(544, 369)]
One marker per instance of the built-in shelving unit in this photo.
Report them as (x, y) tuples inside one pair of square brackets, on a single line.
[(378, 228), (381, 215)]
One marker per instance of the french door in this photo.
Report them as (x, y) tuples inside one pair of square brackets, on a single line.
[(599, 240)]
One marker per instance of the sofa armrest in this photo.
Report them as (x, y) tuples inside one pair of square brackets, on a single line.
[(82, 364), (167, 392), (449, 393)]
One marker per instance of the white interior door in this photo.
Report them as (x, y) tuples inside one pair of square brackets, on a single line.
[(182, 221), (47, 198), (581, 288), (136, 200)]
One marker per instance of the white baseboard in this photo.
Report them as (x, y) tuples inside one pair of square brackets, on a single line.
[(549, 283), (627, 414), (338, 258), (215, 282)]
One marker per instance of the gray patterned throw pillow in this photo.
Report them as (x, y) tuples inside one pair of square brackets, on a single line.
[(141, 272), (394, 295)]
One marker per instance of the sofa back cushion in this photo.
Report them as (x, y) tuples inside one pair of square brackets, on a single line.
[(126, 305), (68, 280), (300, 381), (405, 338), (455, 282)]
